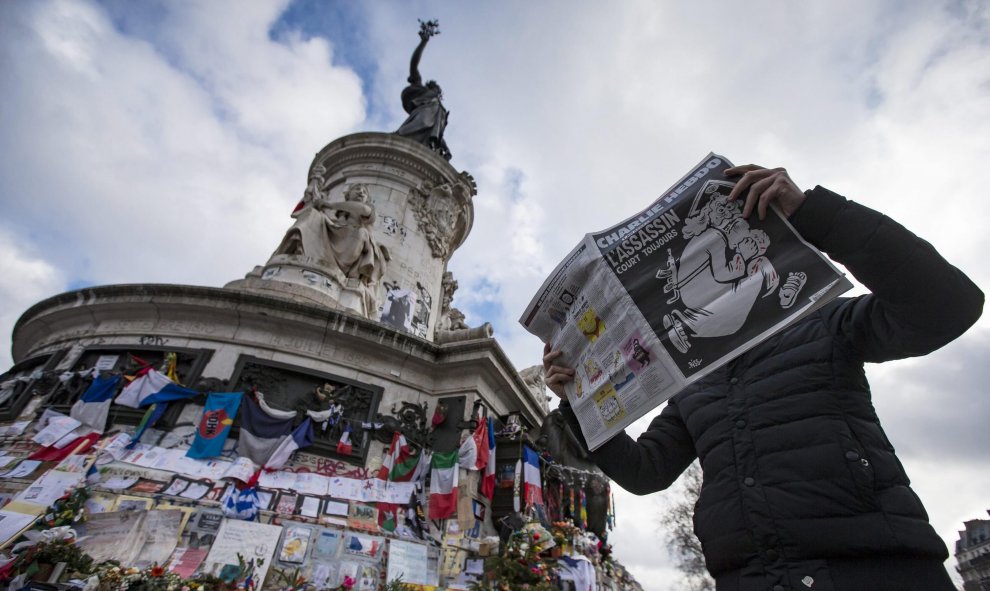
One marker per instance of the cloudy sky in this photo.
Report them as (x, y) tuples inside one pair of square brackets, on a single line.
[(167, 142)]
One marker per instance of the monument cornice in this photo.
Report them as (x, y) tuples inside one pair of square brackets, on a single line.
[(207, 313), (89, 301)]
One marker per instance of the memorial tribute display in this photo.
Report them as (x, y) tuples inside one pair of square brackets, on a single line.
[(328, 422)]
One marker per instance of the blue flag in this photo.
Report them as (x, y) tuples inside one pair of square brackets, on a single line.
[(157, 404), (214, 426)]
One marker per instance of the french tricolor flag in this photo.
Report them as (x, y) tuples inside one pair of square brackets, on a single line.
[(93, 407), (488, 480), (302, 436), (344, 446), (532, 480), (263, 429)]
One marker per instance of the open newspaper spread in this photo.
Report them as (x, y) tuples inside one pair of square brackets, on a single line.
[(658, 301)]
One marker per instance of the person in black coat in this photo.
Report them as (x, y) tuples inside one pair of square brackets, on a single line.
[(802, 489)]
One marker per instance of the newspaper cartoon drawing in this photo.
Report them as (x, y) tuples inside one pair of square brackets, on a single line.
[(671, 294), (591, 325), (721, 272), (639, 354)]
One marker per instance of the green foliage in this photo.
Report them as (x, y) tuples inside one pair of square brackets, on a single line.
[(65, 511), (53, 552), (520, 567)]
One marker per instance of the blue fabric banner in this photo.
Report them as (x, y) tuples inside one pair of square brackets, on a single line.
[(214, 426)]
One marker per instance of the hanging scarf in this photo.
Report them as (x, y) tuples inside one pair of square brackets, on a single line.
[(584, 510)]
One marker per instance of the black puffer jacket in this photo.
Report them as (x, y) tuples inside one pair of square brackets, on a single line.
[(798, 474)]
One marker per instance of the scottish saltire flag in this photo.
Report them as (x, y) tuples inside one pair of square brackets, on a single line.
[(241, 504), (532, 480), (93, 407), (214, 426), (262, 429), (301, 436), (443, 484), (488, 480), (158, 404)]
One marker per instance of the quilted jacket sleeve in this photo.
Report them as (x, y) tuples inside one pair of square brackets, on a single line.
[(650, 463), (918, 301)]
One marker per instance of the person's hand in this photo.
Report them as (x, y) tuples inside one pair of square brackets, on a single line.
[(555, 376), (765, 186)]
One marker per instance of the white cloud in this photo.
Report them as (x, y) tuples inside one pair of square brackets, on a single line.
[(24, 279), (137, 158)]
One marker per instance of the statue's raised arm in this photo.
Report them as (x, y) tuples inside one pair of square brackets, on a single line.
[(426, 30), (427, 115)]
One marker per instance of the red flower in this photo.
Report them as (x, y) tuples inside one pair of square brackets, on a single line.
[(157, 571)]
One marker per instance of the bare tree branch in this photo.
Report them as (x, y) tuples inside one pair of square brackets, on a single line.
[(678, 529)]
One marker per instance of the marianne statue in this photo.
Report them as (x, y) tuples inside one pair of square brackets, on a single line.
[(427, 115)]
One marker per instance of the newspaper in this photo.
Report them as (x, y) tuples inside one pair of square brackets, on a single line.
[(645, 308)]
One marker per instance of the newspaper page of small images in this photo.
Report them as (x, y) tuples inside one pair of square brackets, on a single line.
[(645, 308)]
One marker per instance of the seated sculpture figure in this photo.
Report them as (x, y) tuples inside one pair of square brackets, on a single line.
[(337, 237)]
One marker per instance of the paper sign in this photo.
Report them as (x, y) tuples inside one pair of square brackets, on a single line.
[(12, 523), (253, 541), (106, 362), (57, 427), (185, 561), (23, 469), (50, 487), (407, 561)]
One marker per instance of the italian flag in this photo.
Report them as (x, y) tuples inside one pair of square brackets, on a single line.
[(399, 465), (443, 485), (400, 461)]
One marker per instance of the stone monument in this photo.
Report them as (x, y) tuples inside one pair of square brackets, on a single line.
[(349, 324), (351, 314), (376, 226)]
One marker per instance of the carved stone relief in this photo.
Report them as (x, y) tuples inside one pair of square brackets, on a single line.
[(533, 378), (439, 211), (450, 318)]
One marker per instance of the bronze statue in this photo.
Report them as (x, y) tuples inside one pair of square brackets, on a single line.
[(427, 115)]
